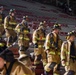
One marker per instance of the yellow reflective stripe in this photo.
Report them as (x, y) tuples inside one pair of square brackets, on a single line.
[(63, 64), (48, 41), (39, 46), (34, 42), (12, 23), (67, 63), (26, 31), (73, 56), (41, 39), (26, 39), (25, 74), (52, 53), (59, 53), (21, 38), (47, 47), (63, 57), (18, 30), (67, 52), (56, 74), (1, 44), (9, 28), (1, 25), (44, 63), (0, 19)]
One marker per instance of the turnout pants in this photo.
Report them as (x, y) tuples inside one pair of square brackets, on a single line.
[(71, 67), (39, 54), (53, 62)]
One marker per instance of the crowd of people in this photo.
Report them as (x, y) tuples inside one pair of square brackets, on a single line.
[(48, 48)]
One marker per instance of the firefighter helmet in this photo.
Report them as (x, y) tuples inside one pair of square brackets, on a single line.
[(57, 26)]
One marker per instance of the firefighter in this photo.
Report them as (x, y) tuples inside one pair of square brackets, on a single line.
[(68, 54), (1, 21), (52, 47), (39, 36), (9, 26), (11, 66), (23, 36), (23, 26)]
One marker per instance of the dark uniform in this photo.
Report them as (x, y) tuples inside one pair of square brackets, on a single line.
[(23, 36), (39, 36), (68, 54), (9, 26), (52, 46)]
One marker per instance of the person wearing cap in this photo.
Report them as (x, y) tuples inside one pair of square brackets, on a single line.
[(52, 47), (38, 40), (2, 16), (68, 54), (23, 33), (11, 66), (9, 26)]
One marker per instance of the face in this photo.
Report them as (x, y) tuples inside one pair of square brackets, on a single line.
[(2, 62), (57, 31), (72, 38), (13, 14)]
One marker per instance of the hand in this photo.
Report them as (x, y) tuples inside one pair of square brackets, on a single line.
[(35, 45), (63, 63), (47, 51)]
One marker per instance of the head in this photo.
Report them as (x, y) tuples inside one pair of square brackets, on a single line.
[(12, 12), (6, 56), (41, 26), (57, 28), (71, 36), (25, 18)]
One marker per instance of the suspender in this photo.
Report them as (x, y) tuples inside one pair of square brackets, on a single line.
[(8, 71)]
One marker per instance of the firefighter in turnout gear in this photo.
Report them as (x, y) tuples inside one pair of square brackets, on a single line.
[(39, 36), (1, 21), (23, 36), (68, 54), (9, 26), (52, 47)]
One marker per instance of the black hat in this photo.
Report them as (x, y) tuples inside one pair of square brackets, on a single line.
[(7, 55), (12, 11), (57, 26), (24, 17), (71, 33)]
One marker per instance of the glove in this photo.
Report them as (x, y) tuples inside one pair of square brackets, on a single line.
[(35, 45), (52, 65)]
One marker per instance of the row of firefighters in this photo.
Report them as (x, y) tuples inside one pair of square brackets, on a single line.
[(48, 48)]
